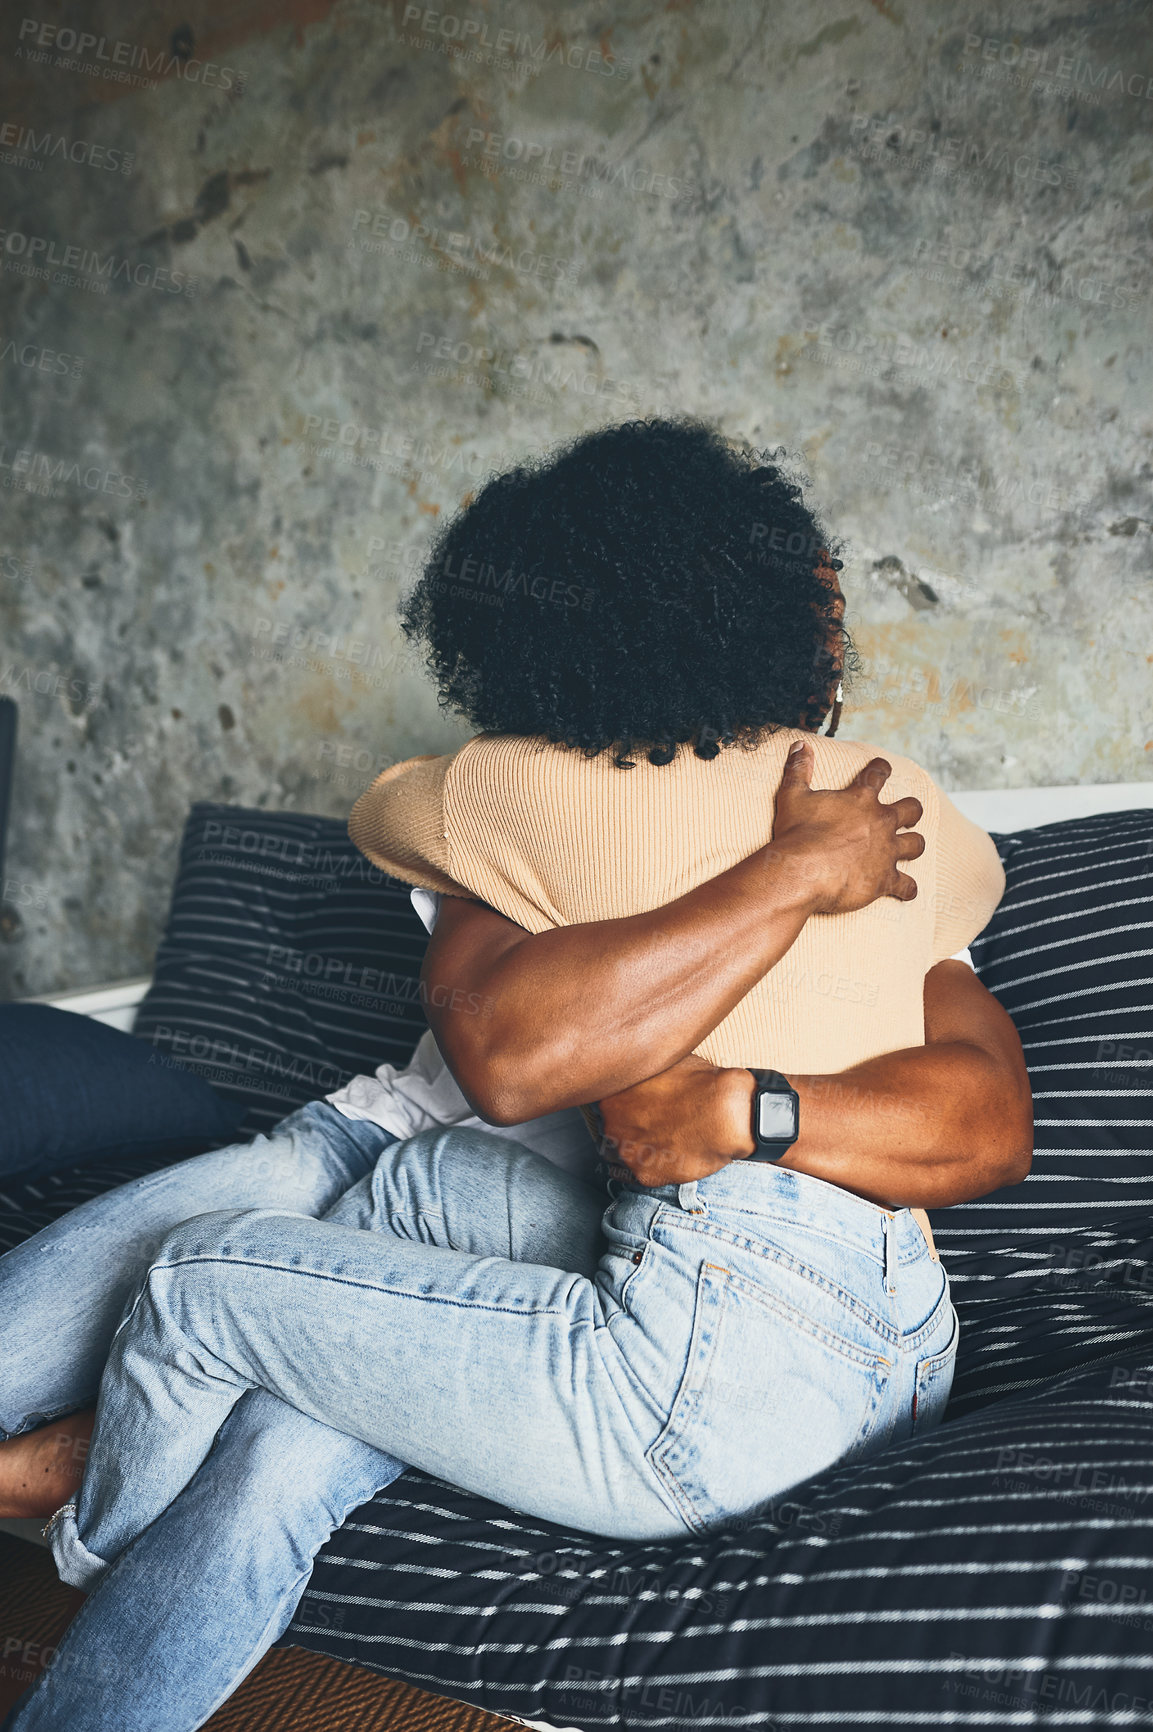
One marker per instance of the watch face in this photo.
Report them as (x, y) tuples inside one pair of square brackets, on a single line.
[(776, 1118)]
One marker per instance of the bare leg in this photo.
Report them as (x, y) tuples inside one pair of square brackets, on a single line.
[(40, 1470)]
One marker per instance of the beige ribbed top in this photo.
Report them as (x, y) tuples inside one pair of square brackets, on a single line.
[(552, 838)]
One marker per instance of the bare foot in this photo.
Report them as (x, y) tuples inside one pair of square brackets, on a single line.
[(40, 1470)]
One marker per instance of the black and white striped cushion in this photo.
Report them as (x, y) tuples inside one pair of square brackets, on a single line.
[(1069, 953), (289, 963)]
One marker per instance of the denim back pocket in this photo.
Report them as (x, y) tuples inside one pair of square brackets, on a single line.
[(770, 1396), (934, 1381)]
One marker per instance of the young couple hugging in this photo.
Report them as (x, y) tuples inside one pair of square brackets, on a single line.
[(656, 893)]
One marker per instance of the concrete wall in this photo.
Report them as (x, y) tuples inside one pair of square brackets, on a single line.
[(277, 288)]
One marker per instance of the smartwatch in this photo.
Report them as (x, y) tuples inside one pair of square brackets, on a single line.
[(776, 1115)]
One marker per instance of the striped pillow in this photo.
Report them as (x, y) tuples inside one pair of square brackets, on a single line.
[(288, 964), (1069, 953)]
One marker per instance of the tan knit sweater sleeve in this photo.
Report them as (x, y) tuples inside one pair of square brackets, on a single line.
[(399, 824)]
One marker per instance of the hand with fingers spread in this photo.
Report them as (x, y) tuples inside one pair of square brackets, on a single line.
[(847, 841)]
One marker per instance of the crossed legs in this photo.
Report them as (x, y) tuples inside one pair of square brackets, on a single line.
[(191, 1603)]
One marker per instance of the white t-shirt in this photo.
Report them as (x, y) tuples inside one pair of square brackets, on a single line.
[(425, 1094)]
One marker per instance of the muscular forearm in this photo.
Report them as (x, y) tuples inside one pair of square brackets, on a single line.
[(578, 1012), (922, 1127)]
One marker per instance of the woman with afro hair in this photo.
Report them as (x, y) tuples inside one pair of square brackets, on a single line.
[(682, 596)]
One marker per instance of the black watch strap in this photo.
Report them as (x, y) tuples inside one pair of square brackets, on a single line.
[(776, 1115)]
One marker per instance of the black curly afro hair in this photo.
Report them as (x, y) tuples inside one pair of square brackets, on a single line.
[(648, 585)]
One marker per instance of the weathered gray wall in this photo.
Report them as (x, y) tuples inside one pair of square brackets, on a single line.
[(909, 242)]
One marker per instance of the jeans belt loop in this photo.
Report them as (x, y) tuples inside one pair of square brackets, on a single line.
[(688, 1199), (887, 1225)]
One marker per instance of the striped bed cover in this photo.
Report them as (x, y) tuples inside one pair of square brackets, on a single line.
[(996, 1572)]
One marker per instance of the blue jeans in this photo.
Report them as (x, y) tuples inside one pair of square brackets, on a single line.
[(697, 1351)]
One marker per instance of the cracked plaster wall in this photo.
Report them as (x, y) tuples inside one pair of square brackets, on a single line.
[(303, 272)]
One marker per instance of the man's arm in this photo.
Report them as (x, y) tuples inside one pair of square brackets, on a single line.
[(532, 1023), (924, 1127)]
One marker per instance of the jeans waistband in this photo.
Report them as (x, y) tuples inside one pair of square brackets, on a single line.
[(766, 1192)]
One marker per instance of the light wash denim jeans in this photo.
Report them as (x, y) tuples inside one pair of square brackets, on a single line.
[(700, 1351)]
